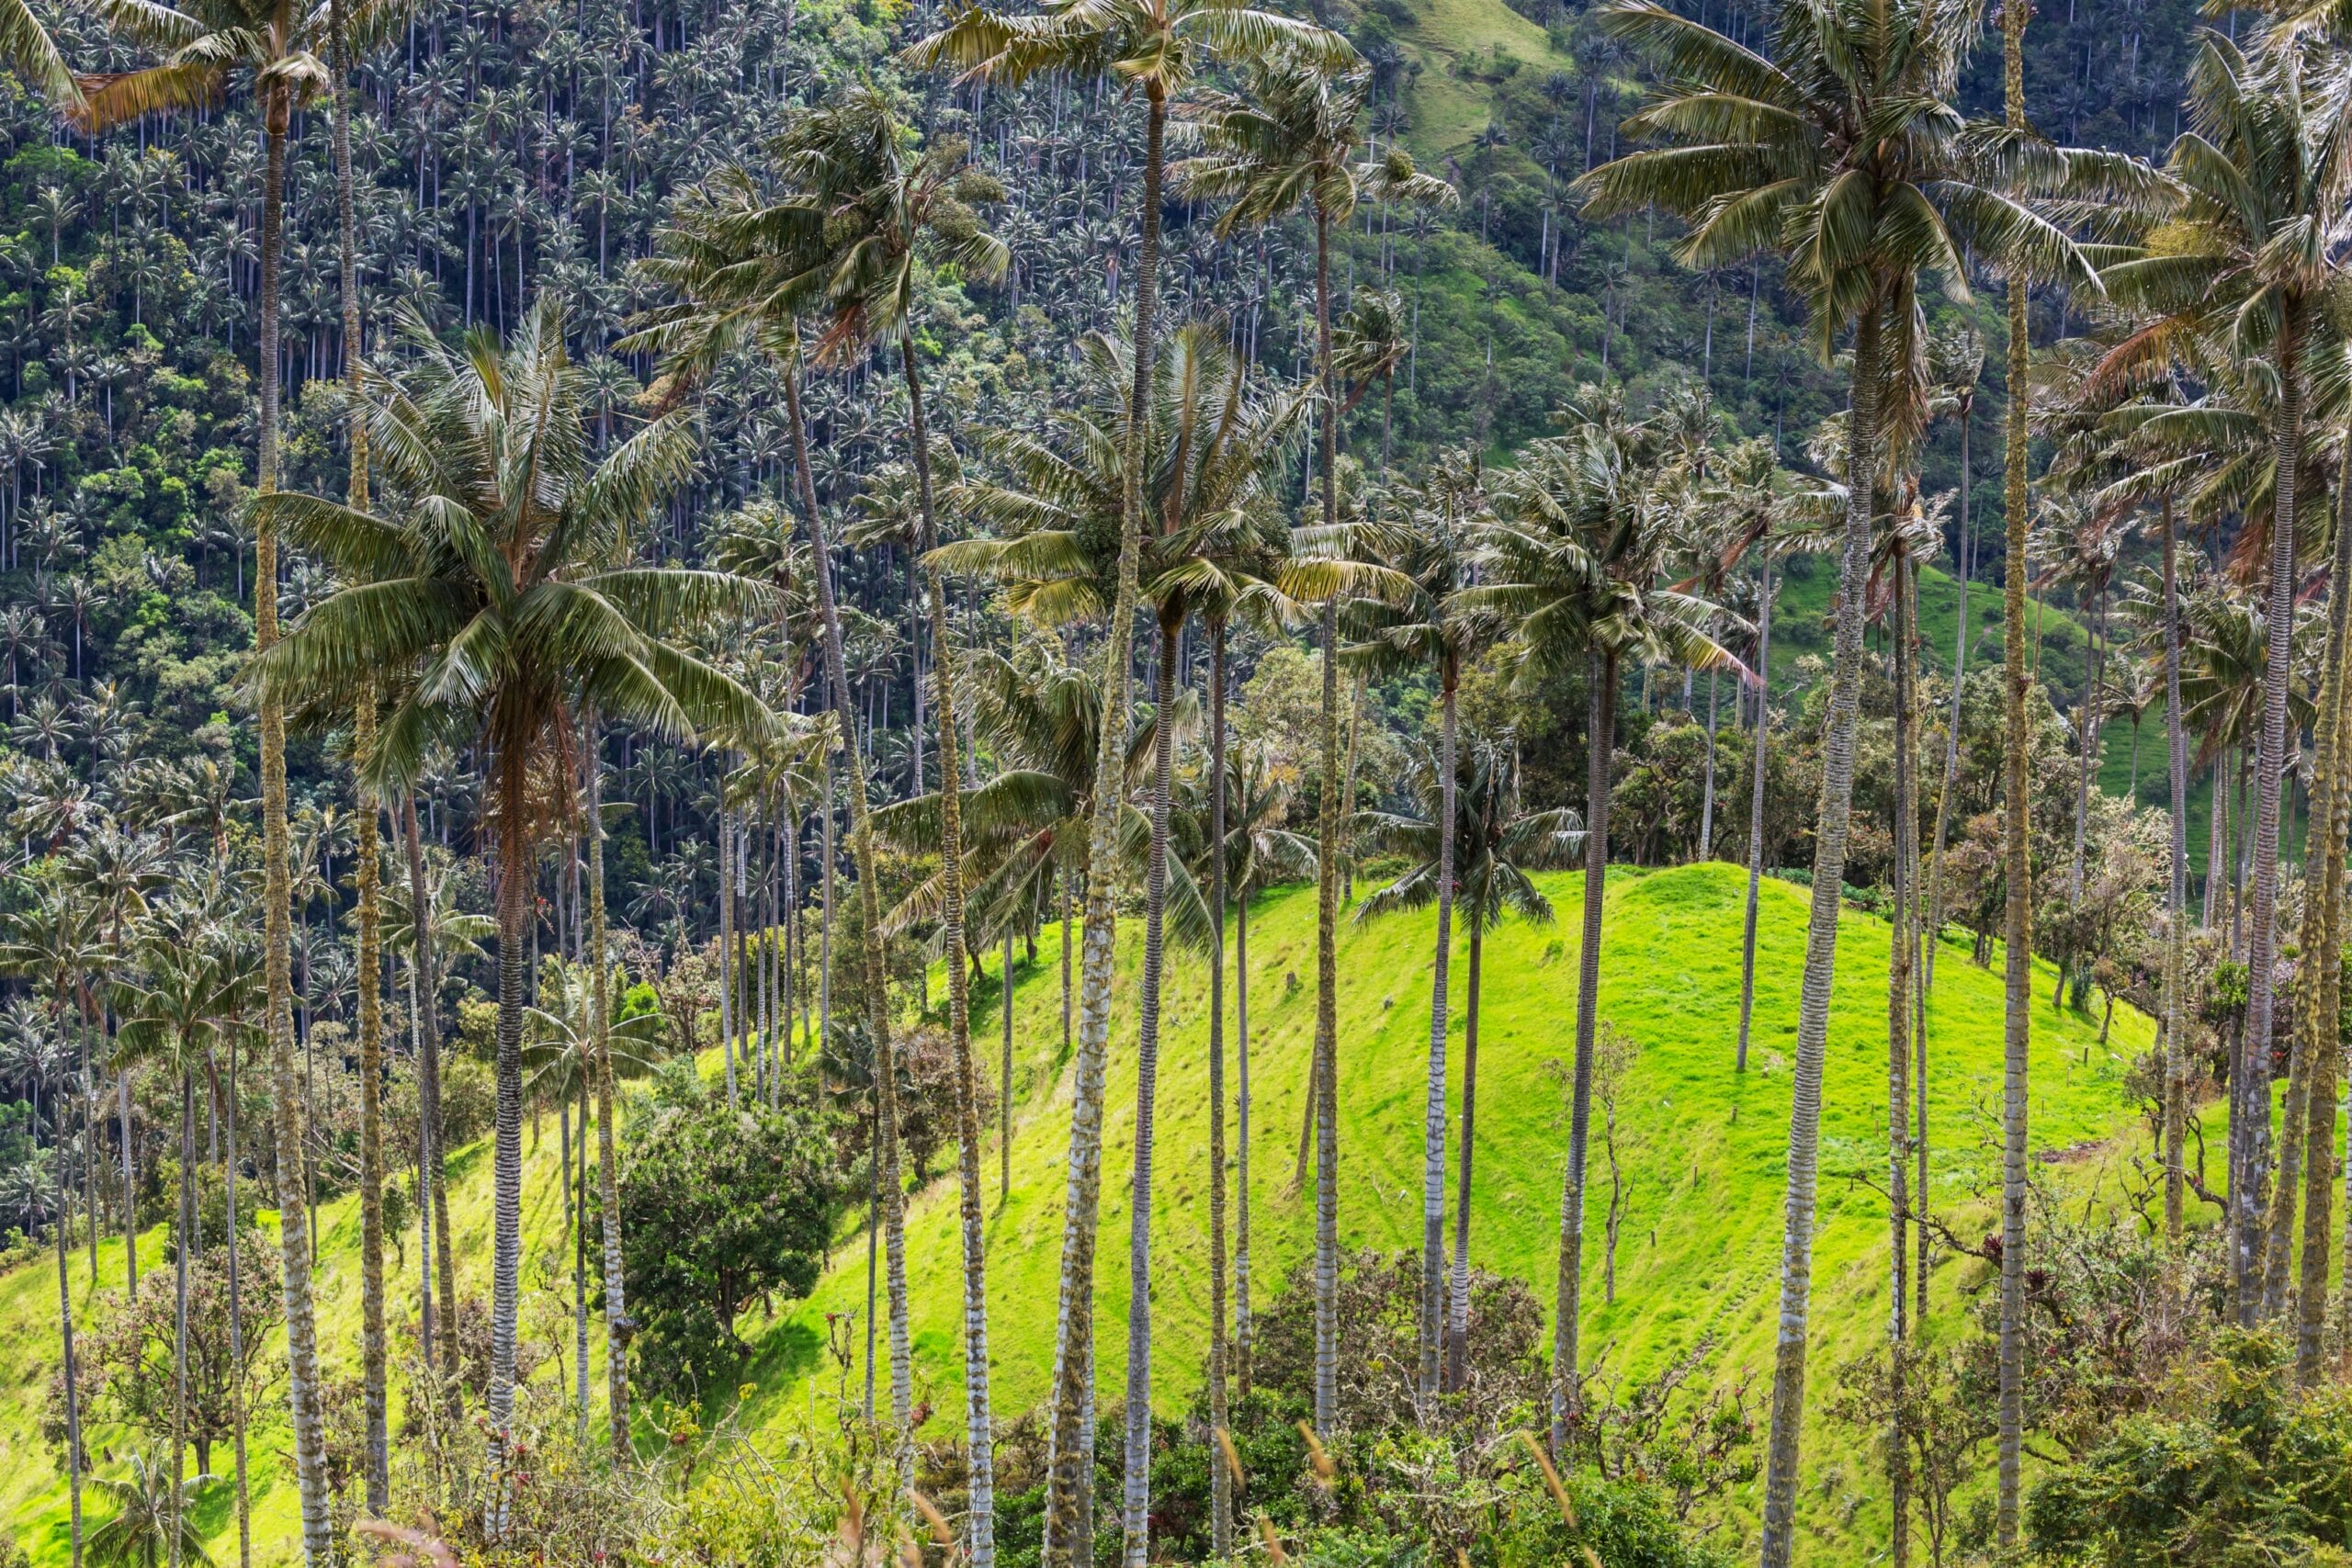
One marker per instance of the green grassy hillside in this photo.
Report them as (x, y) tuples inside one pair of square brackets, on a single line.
[(1700, 1250)]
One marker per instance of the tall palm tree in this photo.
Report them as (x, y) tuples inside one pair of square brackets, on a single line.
[(1259, 853), (1471, 825), (740, 267), (882, 212), (2256, 192), (53, 943), (1572, 563), (194, 992), (1290, 142), (367, 872), (1210, 445), (204, 48), (1841, 149), (1426, 537), (493, 444), (1158, 47), (1956, 362)]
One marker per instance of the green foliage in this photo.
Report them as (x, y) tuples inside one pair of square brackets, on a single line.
[(721, 1205), (2239, 1468)]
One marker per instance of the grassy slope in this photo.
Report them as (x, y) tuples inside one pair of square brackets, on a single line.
[(1700, 1252), (1450, 38), (1708, 1155)]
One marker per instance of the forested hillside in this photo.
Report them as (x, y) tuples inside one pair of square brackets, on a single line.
[(701, 692)]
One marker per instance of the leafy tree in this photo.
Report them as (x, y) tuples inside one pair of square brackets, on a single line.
[(721, 1205), (509, 582)]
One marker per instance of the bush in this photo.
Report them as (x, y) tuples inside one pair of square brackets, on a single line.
[(720, 1204), (2236, 1468)]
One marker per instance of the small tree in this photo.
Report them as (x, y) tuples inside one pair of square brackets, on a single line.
[(721, 1204), (124, 1368)]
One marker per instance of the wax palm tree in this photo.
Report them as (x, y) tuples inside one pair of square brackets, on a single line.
[(1571, 563), (1210, 445), (53, 942), (1956, 364), (1289, 143), (1259, 851), (196, 991), (1427, 534), (510, 583), (2259, 190), (1369, 344), (150, 1523), (1158, 46), (1472, 827), (883, 211), (740, 267), (1839, 148), (204, 48)]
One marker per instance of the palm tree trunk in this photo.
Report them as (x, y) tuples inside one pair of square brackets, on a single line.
[(368, 983), (1756, 811), (1600, 727), (978, 1424), (304, 1390), (182, 1245), (1820, 959), (236, 1303), (1220, 1479), (1062, 892), (377, 1461), (892, 1187), (2320, 1036), (1137, 1523), (1326, 912), (726, 947), (1457, 1311), (617, 1326), (513, 894), (68, 1374), (1951, 743), (2016, 845), (428, 1019), (1899, 983), (1241, 1326), (2250, 1118), (2316, 1023), (1070, 1478), (2175, 977), (1707, 799), (1004, 1077), (1433, 1113)]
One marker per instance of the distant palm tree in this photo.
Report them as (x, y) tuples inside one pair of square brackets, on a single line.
[(883, 214), (1572, 563), (1289, 142), (195, 991), (1157, 47), (149, 1523), (1428, 536), (1473, 825), (493, 445)]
